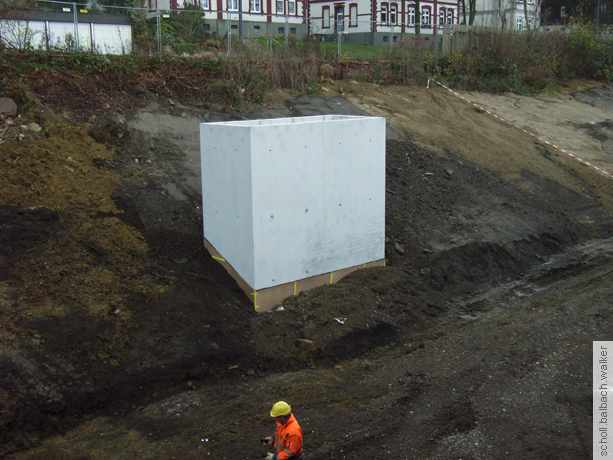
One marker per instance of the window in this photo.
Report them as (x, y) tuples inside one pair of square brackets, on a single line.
[(292, 30), (279, 6), (339, 15), (325, 23), (425, 17), (384, 14), (204, 4), (233, 5), (530, 23), (393, 14), (441, 17), (281, 30), (207, 27), (520, 23), (563, 11), (353, 15), (255, 6), (411, 16), (385, 38), (291, 6), (449, 16)]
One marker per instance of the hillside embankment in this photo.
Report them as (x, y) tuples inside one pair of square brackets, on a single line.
[(120, 336)]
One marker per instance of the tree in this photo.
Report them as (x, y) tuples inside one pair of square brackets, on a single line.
[(191, 18), (472, 10), (472, 6), (500, 7), (15, 31)]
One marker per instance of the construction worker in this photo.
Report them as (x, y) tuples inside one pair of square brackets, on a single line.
[(288, 438)]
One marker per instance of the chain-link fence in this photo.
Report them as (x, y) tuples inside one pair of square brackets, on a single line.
[(47, 25), (70, 26), (66, 26)]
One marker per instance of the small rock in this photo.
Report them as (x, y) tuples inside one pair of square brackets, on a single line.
[(304, 344), (214, 346), (34, 128), (398, 247), (8, 108)]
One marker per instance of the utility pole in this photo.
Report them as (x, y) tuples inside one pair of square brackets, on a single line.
[(240, 24)]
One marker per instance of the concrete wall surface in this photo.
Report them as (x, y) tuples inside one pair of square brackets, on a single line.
[(307, 198), (87, 36)]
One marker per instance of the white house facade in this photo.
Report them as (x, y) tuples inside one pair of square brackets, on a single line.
[(508, 14), (375, 22), (371, 22), (259, 17)]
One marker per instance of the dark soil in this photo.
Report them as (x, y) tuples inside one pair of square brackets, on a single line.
[(120, 336)]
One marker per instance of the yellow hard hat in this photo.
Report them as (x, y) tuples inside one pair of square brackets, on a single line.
[(280, 408)]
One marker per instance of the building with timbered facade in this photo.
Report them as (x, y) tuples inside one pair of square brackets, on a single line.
[(368, 22), (375, 23)]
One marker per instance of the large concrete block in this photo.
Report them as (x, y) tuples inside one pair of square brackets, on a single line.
[(293, 198)]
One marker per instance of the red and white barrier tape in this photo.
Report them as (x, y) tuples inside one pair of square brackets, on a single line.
[(527, 132)]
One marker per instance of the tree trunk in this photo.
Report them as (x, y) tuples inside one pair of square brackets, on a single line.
[(417, 17), (472, 4)]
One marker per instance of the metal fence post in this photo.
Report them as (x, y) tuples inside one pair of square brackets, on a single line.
[(340, 28), (158, 31), (76, 25), (229, 33), (286, 28)]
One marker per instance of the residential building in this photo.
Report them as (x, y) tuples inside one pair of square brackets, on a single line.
[(259, 17), (380, 23), (360, 21), (508, 14)]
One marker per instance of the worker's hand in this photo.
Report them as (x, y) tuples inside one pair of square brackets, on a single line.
[(270, 456), (268, 441)]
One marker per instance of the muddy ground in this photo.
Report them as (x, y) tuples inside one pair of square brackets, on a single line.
[(121, 337)]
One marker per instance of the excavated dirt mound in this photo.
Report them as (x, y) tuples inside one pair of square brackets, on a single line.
[(120, 336)]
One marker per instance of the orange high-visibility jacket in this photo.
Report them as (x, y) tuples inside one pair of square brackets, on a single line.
[(288, 439)]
